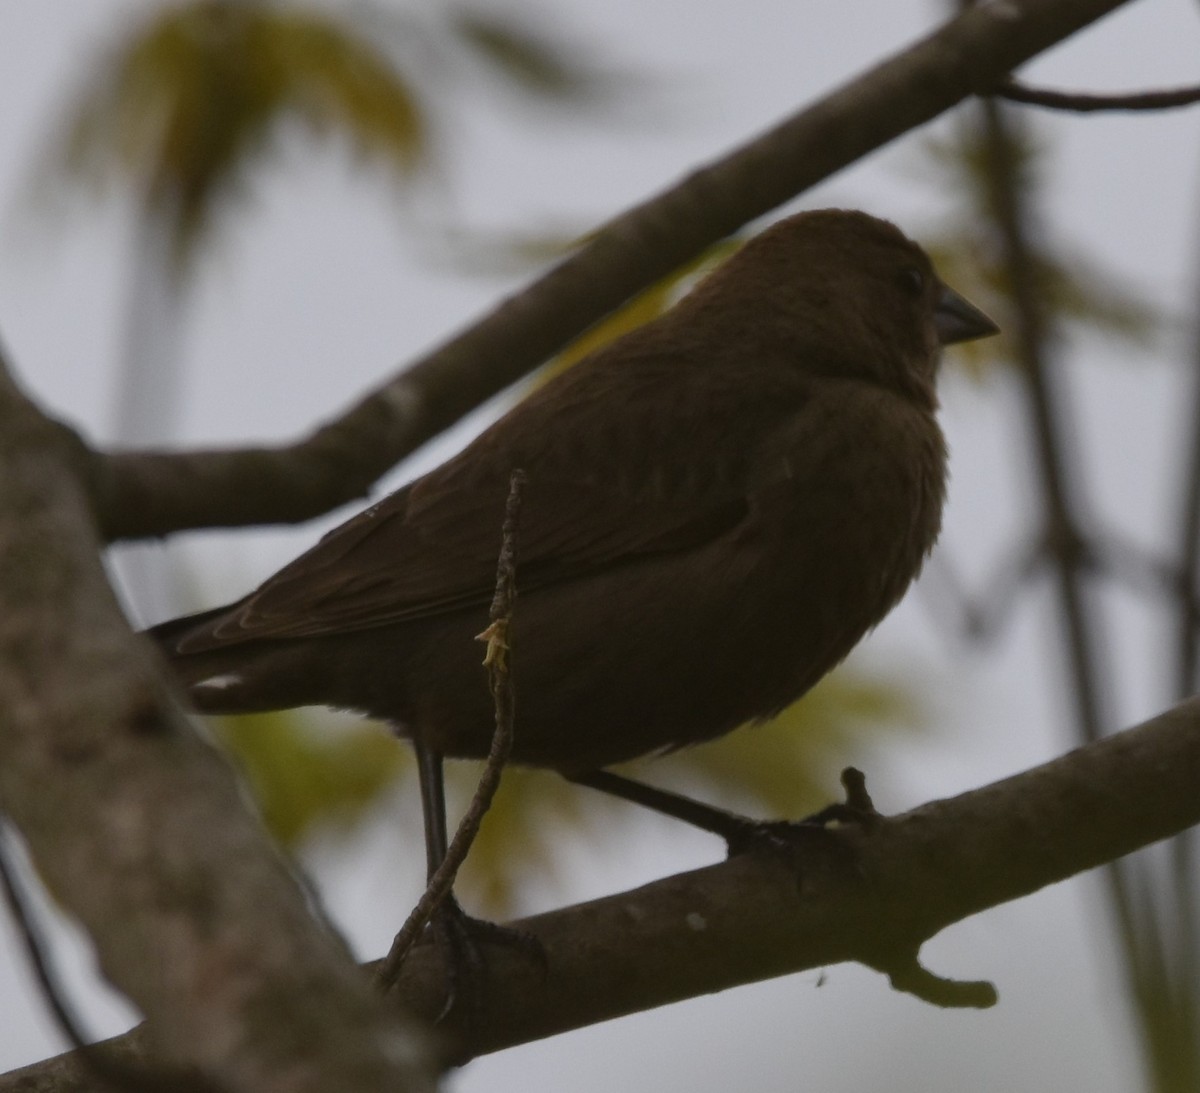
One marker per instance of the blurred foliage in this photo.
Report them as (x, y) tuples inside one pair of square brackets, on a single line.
[(305, 774), (198, 93), (529, 59), (481, 252), (789, 766), (191, 98), (1077, 291), (522, 835)]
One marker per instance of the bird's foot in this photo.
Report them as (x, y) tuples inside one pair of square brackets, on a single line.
[(857, 808), (743, 835), (461, 938)]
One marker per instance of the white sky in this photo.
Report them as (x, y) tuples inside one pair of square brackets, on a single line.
[(317, 289)]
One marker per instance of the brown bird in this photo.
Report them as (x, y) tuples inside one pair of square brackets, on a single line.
[(718, 506)]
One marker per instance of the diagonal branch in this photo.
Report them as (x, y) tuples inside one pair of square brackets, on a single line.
[(141, 830), (148, 494)]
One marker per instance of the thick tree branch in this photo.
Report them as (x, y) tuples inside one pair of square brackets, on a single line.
[(140, 830), (140, 495), (875, 896)]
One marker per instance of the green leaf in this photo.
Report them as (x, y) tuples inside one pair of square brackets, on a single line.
[(304, 774), (191, 99), (528, 59)]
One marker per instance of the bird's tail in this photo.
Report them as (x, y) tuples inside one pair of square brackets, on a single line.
[(214, 677), (170, 634)]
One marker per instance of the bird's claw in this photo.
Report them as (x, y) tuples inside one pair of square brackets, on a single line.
[(791, 836), (460, 938)]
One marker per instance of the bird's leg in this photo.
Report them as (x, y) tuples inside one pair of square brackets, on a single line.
[(739, 832), (728, 825), (458, 933), (433, 806), (453, 928)]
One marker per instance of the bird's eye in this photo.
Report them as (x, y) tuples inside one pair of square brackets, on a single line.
[(913, 280)]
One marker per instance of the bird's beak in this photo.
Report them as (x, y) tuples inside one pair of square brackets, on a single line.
[(957, 320)]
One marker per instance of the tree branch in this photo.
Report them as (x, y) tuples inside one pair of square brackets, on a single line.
[(872, 895), (1077, 102), (140, 830), (148, 494)]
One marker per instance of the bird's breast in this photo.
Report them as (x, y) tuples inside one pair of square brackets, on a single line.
[(843, 515)]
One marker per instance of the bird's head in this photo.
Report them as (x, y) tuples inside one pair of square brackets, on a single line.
[(840, 293)]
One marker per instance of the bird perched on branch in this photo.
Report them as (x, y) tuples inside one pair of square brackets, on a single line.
[(717, 507)]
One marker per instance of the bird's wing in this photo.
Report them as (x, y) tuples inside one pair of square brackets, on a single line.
[(597, 496)]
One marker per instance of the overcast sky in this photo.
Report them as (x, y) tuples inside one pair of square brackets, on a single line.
[(317, 288)]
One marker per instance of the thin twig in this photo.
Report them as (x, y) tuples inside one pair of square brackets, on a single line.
[(1186, 636), (1169, 1037), (1082, 103), (1185, 849), (496, 660), (1048, 409), (37, 951)]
